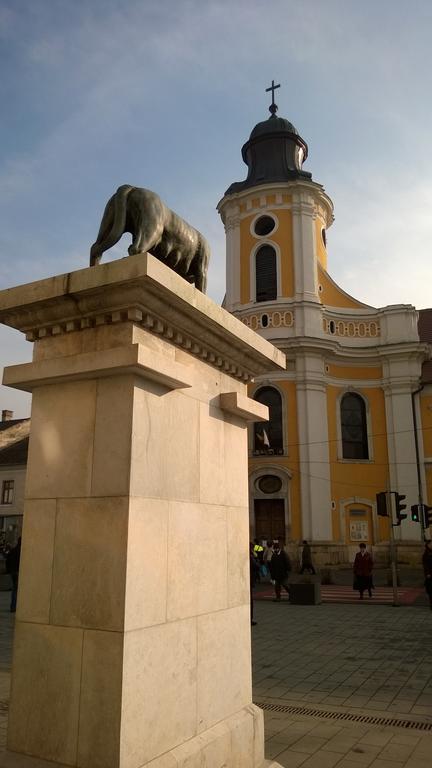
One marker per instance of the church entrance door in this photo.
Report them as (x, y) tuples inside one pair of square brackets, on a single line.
[(270, 519)]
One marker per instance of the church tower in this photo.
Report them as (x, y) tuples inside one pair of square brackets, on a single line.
[(316, 466), (276, 222)]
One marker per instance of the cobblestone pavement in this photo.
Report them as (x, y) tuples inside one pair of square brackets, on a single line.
[(351, 661), (336, 660)]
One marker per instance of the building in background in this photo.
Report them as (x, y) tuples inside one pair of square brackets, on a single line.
[(351, 416), (14, 437), (343, 414)]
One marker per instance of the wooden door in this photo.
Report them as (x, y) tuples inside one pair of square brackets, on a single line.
[(270, 519)]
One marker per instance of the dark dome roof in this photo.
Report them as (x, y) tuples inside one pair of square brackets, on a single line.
[(273, 125), (274, 152)]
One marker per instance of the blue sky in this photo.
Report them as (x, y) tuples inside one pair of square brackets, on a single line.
[(98, 93)]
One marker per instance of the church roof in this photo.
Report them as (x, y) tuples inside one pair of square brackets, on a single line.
[(274, 124), (274, 152), (425, 325)]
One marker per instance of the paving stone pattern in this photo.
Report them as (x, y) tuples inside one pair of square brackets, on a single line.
[(370, 660), (306, 741), (334, 657), (376, 659)]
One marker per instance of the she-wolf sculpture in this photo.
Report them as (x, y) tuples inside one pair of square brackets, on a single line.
[(154, 228)]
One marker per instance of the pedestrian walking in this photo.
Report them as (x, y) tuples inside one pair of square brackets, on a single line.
[(267, 556), (363, 566), (258, 551), (12, 567), (427, 568), (306, 559), (280, 568), (254, 577)]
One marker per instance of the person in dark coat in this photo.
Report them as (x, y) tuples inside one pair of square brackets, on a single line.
[(363, 566), (427, 568), (307, 564), (12, 567), (280, 568), (254, 577)]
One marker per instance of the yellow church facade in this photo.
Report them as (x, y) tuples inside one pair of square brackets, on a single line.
[(351, 416)]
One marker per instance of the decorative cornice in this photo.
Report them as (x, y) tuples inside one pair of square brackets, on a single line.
[(362, 328), (142, 290), (154, 325), (298, 187), (272, 319)]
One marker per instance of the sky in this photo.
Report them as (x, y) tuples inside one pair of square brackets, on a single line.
[(164, 93)]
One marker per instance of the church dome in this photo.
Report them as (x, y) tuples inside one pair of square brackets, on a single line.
[(273, 125), (275, 152)]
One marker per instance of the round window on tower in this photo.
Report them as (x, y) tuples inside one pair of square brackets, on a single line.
[(269, 484), (264, 225)]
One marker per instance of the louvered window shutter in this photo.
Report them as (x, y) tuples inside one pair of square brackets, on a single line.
[(265, 272)]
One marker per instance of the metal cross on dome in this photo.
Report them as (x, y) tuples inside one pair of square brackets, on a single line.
[(273, 108)]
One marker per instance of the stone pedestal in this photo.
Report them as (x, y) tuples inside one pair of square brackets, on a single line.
[(132, 641)]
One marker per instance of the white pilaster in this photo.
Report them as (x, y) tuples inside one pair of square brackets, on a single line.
[(232, 229), (402, 453), (313, 450), (305, 261)]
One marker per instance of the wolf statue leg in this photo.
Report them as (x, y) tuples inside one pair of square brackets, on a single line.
[(112, 224)]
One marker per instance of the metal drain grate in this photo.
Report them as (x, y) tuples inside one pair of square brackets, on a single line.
[(416, 725)]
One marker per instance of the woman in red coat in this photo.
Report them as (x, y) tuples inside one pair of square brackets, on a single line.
[(363, 565)]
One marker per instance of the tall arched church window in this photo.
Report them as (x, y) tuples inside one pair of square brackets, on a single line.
[(354, 427), (266, 273), (268, 435)]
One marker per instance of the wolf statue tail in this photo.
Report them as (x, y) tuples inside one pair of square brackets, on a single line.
[(112, 224)]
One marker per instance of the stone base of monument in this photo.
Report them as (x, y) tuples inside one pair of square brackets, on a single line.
[(132, 641), (236, 741)]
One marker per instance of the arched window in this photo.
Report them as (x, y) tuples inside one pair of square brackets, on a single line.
[(354, 427), (265, 273), (268, 435)]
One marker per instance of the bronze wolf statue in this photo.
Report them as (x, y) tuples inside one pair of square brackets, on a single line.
[(154, 228)]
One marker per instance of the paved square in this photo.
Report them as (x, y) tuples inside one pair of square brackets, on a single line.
[(344, 659), (334, 659), (370, 658)]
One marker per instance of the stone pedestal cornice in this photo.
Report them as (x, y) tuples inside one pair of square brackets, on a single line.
[(142, 290)]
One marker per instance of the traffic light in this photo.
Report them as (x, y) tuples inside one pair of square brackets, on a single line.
[(421, 513), (427, 516), (400, 515), (381, 502)]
